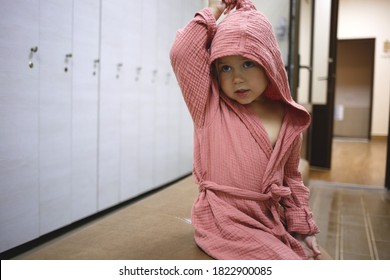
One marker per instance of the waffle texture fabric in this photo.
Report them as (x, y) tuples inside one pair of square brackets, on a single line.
[(251, 199)]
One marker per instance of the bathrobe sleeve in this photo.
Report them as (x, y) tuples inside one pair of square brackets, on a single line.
[(190, 61), (299, 217)]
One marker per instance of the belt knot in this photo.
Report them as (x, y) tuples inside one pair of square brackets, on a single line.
[(277, 192)]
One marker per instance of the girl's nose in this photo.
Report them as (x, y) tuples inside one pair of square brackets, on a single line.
[(237, 77)]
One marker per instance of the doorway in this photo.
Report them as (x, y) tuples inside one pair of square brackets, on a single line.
[(354, 88)]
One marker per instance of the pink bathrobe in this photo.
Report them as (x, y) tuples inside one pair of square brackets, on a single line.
[(251, 196)]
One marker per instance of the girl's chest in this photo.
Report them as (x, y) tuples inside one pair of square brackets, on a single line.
[(270, 117)]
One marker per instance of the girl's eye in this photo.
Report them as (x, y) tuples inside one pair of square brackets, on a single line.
[(248, 64), (225, 68)]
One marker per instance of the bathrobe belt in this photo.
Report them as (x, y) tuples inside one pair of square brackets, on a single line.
[(274, 193)]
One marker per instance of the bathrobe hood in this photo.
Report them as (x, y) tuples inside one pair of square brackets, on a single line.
[(248, 33)]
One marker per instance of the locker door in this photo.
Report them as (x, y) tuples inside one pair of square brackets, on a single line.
[(19, 125), (111, 77), (55, 116), (186, 125), (147, 94), (174, 99), (161, 120), (130, 95), (85, 74)]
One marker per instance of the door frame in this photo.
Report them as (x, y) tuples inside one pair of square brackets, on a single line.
[(293, 49), (319, 138), (387, 175), (321, 129)]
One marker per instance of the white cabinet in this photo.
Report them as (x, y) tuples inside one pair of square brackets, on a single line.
[(120, 92), (147, 88), (90, 111), (111, 80), (173, 129), (19, 123), (186, 125), (130, 96), (162, 109), (55, 113), (69, 42), (85, 93)]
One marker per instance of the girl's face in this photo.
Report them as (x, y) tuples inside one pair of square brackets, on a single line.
[(241, 79)]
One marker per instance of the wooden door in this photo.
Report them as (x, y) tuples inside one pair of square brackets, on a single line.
[(323, 113), (318, 32)]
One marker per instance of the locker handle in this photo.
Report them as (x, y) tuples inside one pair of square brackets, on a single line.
[(32, 51), (155, 71), (95, 65), (138, 73), (67, 57)]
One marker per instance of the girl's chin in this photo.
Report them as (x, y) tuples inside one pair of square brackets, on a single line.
[(243, 101)]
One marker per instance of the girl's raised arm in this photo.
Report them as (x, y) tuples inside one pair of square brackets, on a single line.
[(190, 59)]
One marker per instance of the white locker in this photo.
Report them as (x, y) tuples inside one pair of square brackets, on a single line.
[(147, 95), (161, 120), (186, 125), (90, 110), (85, 89), (111, 79), (174, 98), (130, 95), (55, 113), (19, 123)]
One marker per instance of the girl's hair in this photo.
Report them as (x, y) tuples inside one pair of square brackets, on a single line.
[(214, 70)]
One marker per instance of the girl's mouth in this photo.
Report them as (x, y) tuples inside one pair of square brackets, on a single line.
[(242, 92)]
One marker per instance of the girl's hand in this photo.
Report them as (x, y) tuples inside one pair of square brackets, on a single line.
[(217, 7), (310, 246), (222, 6)]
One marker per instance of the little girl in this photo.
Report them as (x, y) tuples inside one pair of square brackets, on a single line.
[(252, 203)]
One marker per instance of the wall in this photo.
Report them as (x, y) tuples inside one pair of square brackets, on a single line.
[(370, 19), (278, 13)]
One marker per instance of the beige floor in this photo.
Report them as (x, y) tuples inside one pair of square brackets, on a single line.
[(156, 227), (356, 162), (354, 218), (354, 222), (350, 203)]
